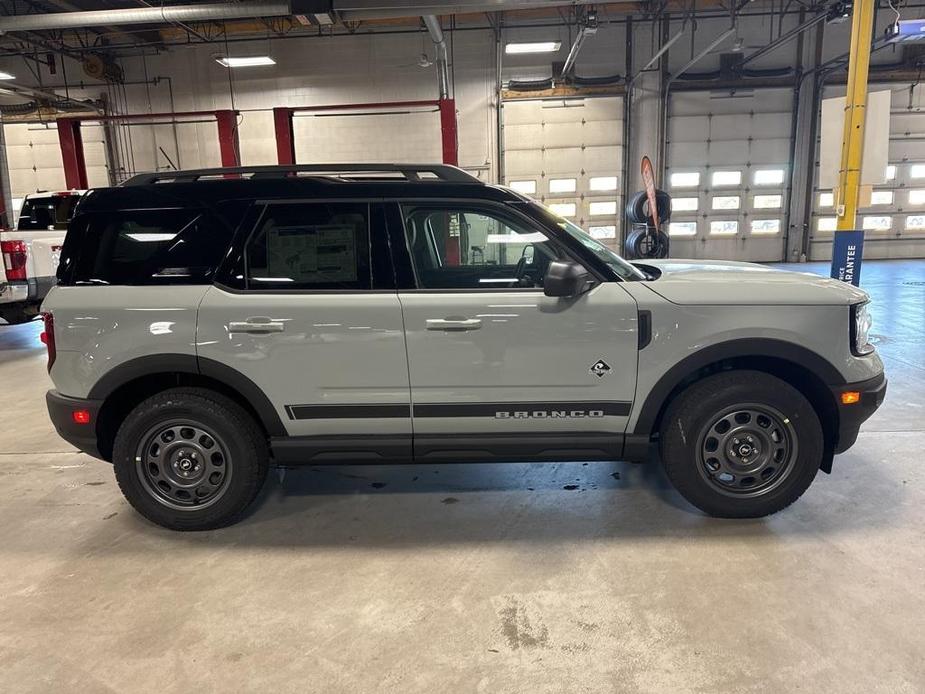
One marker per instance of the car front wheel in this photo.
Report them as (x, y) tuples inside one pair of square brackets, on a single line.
[(190, 459), (741, 444)]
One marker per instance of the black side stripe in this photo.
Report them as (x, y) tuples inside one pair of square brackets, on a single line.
[(551, 410), (541, 409), (347, 411)]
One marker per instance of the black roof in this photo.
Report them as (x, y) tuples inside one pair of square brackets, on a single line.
[(210, 186)]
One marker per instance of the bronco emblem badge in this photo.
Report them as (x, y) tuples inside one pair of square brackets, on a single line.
[(600, 369)]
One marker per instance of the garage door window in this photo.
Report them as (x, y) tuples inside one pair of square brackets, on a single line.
[(769, 177), (825, 224), (561, 185), (726, 178), (726, 202), (915, 222), (881, 197), (603, 183), (765, 226), (525, 187), (682, 228), (917, 197), (826, 199), (877, 223), (724, 228), (767, 202), (684, 204), (685, 179)]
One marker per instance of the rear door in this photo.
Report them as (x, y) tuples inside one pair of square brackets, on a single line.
[(310, 314), (497, 368)]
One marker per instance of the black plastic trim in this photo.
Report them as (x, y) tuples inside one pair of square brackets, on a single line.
[(745, 347), (533, 447), (851, 417), (491, 409), (82, 436), (301, 450), (380, 411), (644, 328), (190, 364)]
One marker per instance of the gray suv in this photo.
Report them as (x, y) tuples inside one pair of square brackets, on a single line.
[(210, 323)]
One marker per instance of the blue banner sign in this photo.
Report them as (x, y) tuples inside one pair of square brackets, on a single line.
[(847, 248)]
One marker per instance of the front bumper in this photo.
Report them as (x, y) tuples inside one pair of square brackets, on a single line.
[(851, 417), (61, 411)]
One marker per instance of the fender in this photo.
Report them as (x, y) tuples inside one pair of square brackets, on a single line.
[(195, 366), (745, 347)]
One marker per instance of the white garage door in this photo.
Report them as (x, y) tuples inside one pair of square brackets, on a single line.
[(894, 221), (34, 158), (728, 172), (568, 154)]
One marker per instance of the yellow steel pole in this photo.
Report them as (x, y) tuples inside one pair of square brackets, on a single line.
[(852, 148)]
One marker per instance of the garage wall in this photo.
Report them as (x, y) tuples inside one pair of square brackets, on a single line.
[(728, 170), (894, 221)]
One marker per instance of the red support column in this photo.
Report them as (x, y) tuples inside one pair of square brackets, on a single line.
[(448, 131), (72, 153), (285, 139), (227, 121), (450, 156)]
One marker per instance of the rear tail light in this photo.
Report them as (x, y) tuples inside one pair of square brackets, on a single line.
[(14, 259), (48, 337)]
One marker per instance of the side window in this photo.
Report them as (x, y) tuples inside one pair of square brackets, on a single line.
[(149, 247), (459, 247), (310, 246)]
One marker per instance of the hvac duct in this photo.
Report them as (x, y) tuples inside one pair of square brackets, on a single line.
[(436, 34), (205, 12)]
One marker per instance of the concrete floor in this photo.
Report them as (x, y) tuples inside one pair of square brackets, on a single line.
[(489, 578)]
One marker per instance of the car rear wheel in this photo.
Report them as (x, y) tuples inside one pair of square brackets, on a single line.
[(741, 444), (190, 459)]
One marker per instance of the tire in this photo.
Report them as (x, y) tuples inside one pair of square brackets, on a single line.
[(190, 459), (637, 208), (782, 430), (639, 244)]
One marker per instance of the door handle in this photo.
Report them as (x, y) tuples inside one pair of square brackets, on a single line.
[(452, 324), (256, 325)]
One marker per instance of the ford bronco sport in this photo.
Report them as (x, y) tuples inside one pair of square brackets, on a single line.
[(208, 324)]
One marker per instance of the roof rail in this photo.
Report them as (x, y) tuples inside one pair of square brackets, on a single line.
[(411, 172)]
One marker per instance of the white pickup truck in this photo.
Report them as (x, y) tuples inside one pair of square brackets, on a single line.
[(31, 251)]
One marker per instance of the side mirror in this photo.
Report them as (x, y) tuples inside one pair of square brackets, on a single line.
[(565, 278)]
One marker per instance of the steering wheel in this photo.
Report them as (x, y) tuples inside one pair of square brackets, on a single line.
[(520, 272)]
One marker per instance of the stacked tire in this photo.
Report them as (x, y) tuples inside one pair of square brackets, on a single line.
[(644, 241)]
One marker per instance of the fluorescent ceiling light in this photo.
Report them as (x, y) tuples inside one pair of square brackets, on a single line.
[(537, 47), (6, 76), (249, 61)]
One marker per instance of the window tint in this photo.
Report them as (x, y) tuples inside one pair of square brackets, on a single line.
[(43, 213), (467, 248), (148, 247), (310, 246)]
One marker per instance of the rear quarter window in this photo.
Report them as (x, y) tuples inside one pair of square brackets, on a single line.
[(144, 247)]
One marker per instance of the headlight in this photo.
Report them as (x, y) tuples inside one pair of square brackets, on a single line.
[(860, 329)]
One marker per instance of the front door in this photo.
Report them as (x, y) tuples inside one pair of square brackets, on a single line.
[(497, 368), (315, 323)]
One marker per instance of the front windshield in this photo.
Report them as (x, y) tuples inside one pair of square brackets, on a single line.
[(624, 269)]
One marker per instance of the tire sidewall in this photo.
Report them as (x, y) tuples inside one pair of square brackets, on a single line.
[(699, 406), (213, 417)]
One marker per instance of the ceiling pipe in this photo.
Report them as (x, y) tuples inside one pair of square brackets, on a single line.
[(781, 40), (585, 31), (205, 12), (436, 35)]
